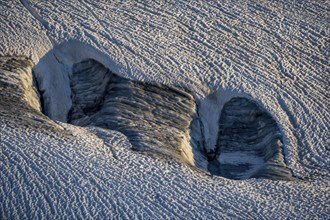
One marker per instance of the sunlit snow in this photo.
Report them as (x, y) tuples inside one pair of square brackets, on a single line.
[(209, 84)]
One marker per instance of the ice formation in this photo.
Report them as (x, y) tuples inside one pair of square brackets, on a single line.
[(155, 118), (162, 119), (249, 142), (272, 56)]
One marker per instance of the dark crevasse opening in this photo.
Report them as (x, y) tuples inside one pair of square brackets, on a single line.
[(249, 143)]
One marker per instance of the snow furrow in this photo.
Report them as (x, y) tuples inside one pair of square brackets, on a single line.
[(34, 14)]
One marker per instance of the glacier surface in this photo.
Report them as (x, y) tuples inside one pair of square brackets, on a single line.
[(273, 53)]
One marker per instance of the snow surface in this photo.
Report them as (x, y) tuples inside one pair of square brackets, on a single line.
[(276, 53)]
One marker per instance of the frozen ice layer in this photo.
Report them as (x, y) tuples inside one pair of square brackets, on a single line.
[(16, 80), (155, 118), (249, 142)]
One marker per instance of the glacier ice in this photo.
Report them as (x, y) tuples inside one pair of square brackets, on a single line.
[(168, 120), (249, 142), (155, 118), (274, 53)]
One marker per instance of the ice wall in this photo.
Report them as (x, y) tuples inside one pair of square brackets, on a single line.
[(154, 117), (249, 142), (16, 80)]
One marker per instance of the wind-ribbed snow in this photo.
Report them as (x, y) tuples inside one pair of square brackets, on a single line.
[(276, 53)]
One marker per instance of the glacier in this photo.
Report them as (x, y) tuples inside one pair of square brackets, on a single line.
[(232, 70)]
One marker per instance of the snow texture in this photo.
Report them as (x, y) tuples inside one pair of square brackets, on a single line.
[(274, 53)]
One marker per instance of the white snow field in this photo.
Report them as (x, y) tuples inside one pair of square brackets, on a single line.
[(164, 109)]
